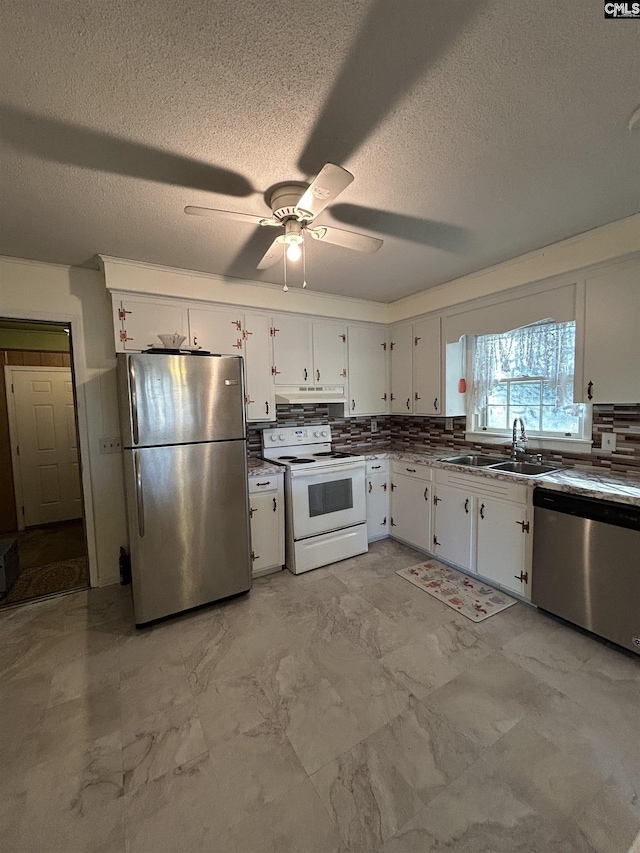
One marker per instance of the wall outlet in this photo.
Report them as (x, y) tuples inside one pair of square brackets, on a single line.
[(608, 442), (374, 425), (110, 445)]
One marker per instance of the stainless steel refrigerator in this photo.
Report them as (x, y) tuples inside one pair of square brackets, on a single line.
[(185, 467)]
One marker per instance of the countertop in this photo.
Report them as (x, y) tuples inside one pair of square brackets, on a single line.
[(590, 483), (261, 468)]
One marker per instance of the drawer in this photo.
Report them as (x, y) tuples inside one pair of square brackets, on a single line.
[(267, 483), (377, 466), (411, 469)]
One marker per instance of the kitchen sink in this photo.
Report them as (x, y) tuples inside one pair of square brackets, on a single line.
[(528, 469), (474, 461)]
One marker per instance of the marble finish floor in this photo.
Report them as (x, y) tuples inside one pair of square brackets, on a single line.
[(342, 711)]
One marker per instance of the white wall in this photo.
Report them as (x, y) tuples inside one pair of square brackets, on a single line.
[(133, 276), (593, 247), (45, 291)]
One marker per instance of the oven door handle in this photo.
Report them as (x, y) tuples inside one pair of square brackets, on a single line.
[(350, 467)]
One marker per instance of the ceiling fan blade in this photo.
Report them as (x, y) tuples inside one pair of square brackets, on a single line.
[(326, 187), (395, 45), (273, 254), (347, 239), (428, 232), (224, 214), (60, 142)]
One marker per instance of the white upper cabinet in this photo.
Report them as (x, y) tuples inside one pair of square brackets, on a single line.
[(367, 371), (418, 370), (259, 389), (249, 335), (217, 331), (610, 337), (401, 347), (138, 323), (427, 396), (329, 353), (292, 351)]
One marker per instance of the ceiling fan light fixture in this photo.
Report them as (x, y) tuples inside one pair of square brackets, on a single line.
[(293, 250)]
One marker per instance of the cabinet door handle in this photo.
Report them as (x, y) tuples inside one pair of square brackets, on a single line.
[(266, 405), (268, 483), (275, 505), (383, 522), (393, 486), (353, 405), (411, 470), (435, 540), (466, 506), (435, 404), (426, 493), (436, 500), (252, 509), (317, 375), (255, 556), (523, 576), (416, 396), (481, 510), (409, 403), (370, 487), (393, 524), (589, 391), (305, 374), (375, 467), (195, 340)]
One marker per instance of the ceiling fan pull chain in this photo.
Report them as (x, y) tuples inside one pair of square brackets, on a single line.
[(304, 263), (284, 255)]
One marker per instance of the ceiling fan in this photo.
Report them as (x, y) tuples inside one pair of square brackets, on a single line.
[(294, 207)]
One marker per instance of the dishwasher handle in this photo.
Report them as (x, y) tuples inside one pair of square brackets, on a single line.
[(606, 512)]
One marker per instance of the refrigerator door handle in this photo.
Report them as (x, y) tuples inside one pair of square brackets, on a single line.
[(134, 401), (139, 497)]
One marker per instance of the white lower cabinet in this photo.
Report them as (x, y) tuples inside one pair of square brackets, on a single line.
[(484, 526), (452, 516), (266, 511), (377, 499), (411, 504), (501, 551)]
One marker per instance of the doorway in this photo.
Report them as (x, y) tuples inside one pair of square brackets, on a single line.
[(43, 549)]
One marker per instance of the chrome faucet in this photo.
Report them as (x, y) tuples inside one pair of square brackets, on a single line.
[(518, 445)]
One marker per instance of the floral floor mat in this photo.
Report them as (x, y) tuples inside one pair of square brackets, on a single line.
[(468, 595)]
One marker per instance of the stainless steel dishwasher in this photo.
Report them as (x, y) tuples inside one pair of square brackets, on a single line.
[(586, 564)]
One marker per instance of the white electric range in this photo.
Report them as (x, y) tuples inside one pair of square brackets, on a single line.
[(326, 515)]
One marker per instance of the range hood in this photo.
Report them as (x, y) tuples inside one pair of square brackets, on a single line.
[(311, 394)]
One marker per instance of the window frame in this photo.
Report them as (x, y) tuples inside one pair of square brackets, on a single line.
[(581, 441)]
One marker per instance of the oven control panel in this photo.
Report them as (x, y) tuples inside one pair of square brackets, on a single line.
[(290, 436)]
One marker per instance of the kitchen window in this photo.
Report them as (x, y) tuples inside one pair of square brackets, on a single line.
[(528, 373)]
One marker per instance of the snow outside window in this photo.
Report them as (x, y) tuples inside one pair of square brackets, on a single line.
[(527, 373)]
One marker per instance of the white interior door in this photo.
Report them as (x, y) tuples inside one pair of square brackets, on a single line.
[(44, 444)]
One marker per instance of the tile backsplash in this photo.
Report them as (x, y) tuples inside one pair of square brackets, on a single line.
[(346, 432), (406, 431)]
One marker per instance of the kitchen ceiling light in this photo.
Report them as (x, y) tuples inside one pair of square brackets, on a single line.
[(293, 252)]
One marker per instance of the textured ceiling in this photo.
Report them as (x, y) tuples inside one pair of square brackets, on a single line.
[(476, 130)]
